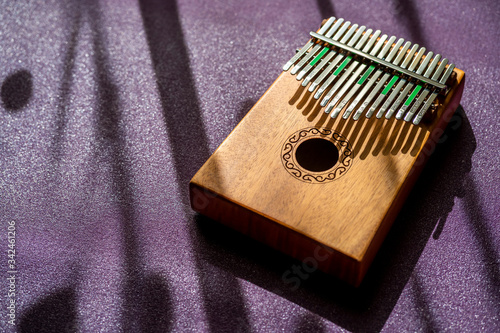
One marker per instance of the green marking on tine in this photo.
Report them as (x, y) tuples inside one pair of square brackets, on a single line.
[(367, 73), (390, 84), (413, 94), (341, 67), (322, 53)]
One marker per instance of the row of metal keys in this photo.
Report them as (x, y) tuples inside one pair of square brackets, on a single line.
[(345, 40)]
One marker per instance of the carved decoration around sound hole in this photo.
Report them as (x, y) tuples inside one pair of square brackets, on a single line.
[(335, 152)]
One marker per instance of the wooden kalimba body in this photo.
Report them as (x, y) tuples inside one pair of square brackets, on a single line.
[(321, 165)]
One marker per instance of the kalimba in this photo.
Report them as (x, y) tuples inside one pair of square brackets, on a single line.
[(321, 165)]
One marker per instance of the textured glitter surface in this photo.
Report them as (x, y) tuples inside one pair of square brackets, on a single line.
[(107, 110)]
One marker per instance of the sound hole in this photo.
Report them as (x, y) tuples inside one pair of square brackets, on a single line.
[(317, 154)]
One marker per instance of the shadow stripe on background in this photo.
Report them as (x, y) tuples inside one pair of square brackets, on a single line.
[(224, 304), (146, 297)]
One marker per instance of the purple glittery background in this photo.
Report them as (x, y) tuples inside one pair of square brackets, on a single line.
[(109, 108)]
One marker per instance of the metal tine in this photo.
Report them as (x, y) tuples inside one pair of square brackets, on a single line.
[(417, 89), (381, 97), (343, 29), (365, 76), (337, 59), (384, 79), (356, 74), (332, 52), (400, 98), (346, 37), (331, 78), (397, 89), (433, 96), (316, 47), (308, 45), (326, 84), (426, 91), (346, 74), (374, 79)]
